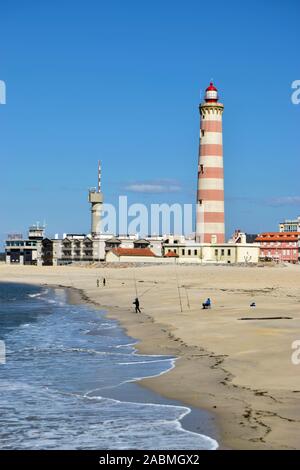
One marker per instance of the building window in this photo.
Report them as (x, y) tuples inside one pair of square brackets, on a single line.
[(183, 252), (189, 252), (195, 252), (216, 252), (222, 252), (229, 252), (175, 251)]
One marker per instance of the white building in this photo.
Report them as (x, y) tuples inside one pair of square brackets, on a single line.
[(292, 225), (72, 248), (19, 250), (189, 251)]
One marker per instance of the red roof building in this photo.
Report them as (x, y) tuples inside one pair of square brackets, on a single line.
[(171, 254), (133, 252), (280, 246)]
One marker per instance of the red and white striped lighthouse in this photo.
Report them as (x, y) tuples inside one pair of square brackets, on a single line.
[(210, 225)]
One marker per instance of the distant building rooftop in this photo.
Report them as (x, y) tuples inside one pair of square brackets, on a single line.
[(133, 252), (171, 254), (278, 236)]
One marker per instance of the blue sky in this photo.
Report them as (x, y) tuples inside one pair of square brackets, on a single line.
[(121, 81)]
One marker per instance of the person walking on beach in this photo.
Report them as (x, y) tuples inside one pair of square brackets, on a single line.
[(137, 305), (104, 282)]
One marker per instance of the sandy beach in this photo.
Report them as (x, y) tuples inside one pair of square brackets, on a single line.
[(233, 360)]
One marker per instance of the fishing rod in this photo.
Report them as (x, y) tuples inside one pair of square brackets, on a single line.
[(187, 297), (178, 288), (135, 284), (147, 290)]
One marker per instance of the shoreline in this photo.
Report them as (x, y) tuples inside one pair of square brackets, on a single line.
[(240, 371), (191, 421), (77, 327)]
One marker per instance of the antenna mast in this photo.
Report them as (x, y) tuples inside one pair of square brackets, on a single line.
[(99, 176)]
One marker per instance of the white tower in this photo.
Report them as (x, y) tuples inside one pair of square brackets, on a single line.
[(96, 201)]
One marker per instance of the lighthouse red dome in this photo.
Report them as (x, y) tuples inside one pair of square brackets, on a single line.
[(211, 87), (211, 93)]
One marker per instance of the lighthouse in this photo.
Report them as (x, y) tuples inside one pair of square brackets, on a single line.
[(210, 227)]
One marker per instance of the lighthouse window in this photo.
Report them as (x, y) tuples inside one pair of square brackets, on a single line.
[(202, 133)]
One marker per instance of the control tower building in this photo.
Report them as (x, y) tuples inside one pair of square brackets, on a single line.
[(96, 201)]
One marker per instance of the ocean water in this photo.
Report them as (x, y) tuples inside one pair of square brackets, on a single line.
[(69, 381)]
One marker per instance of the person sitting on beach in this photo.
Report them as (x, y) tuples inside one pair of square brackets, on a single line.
[(253, 304), (206, 304), (137, 305)]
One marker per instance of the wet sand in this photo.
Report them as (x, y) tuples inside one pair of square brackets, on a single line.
[(240, 370)]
